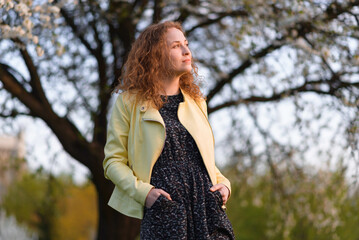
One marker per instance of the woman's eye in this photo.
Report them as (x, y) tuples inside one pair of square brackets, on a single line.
[(178, 45)]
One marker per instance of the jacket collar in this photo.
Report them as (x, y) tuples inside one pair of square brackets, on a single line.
[(146, 106), (152, 114)]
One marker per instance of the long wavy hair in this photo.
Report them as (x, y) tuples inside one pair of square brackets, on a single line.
[(145, 67)]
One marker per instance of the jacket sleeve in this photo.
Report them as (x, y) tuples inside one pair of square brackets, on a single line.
[(115, 163), (220, 178)]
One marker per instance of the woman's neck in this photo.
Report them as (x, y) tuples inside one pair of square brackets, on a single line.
[(171, 86)]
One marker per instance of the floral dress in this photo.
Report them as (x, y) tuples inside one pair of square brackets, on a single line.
[(194, 211)]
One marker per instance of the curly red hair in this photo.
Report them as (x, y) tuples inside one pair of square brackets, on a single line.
[(145, 67)]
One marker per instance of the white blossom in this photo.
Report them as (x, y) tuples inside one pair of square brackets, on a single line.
[(38, 8), (39, 51), (60, 50), (45, 18), (28, 24), (356, 58), (9, 5), (22, 9), (35, 39), (18, 31), (54, 9), (5, 29)]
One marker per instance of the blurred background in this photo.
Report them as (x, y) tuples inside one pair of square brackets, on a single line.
[(282, 84)]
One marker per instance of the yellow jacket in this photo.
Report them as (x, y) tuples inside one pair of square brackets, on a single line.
[(135, 139)]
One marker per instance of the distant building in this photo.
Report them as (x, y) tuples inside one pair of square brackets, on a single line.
[(12, 160)]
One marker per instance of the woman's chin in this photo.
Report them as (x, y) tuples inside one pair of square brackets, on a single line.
[(187, 70)]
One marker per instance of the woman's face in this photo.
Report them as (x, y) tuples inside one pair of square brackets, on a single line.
[(179, 53)]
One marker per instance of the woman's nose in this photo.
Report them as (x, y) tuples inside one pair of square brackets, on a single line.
[(186, 50)]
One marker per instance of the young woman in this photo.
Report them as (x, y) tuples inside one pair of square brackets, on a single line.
[(160, 147)]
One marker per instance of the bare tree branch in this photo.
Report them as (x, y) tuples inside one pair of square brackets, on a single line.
[(220, 16), (70, 22), (276, 175), (321, 56), (355, 17), (13, 114), (69, 136), (184, 12), (35, 83), (302, 27), (245, 64), (103, 90), (308, 86), (16, 89), (96, 34), (157, 11)]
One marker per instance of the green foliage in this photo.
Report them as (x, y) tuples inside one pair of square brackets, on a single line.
[(54, 207), (306, 206), (32, 200), (79, 216)]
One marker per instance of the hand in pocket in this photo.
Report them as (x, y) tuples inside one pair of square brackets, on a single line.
[(223, 190), (153, 194)]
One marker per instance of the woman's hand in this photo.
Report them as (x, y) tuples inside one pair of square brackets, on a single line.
[(153, 194), (222, 189)]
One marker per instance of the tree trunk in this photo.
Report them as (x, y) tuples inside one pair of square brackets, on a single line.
[(112, 225)]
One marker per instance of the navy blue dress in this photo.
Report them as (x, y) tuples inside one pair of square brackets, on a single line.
[(194, 212)]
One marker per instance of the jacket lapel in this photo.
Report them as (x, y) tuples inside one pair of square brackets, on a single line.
[(151, 114), (192, 118)]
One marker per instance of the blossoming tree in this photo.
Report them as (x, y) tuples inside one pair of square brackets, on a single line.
[(256, 55)]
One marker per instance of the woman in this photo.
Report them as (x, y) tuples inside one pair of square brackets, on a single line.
[(160, 147)]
